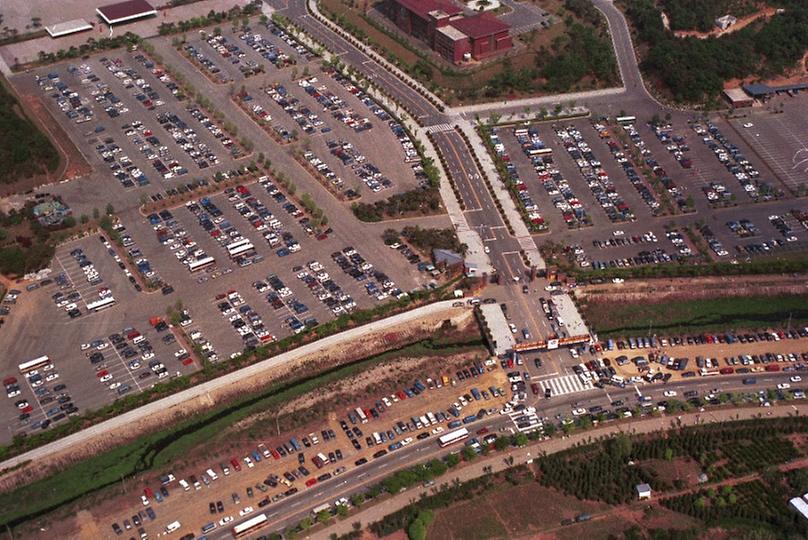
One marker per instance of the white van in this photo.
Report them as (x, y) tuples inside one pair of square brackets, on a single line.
[(173, 526), (213, 475)]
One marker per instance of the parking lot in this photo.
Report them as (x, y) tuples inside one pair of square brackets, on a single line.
[(146, 139), (255, 478)]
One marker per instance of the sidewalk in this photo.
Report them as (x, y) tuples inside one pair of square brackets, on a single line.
[(521, 233), (528, 453)]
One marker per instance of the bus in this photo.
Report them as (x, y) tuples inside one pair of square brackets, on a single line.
[(204, 262), (34, 364), (539, 151), (626, 119), (237, 244), (322, 508), (102, 304), (453, 437), (251, 525), (242, 249)]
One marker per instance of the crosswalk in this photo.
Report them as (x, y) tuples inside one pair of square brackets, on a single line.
[(439, 128), (568, 384)]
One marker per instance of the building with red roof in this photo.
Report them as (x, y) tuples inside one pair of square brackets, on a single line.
[(442, 25), (126, 11)]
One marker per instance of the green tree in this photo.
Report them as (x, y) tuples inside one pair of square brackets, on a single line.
[(110, 209)]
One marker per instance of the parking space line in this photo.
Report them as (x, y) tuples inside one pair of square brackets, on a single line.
[(126, 368)]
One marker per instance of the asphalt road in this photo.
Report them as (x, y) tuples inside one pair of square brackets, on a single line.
[(291, 510)]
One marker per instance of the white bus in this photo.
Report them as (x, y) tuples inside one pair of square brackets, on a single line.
[(323, 507), (36, 363), (101, 304), (237, 244), (247, 527), (453, 437), (244, 248), (361, 414), (204, 262), (626, 119)]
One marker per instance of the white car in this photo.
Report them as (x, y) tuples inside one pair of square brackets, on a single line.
[(795, 378), (107, 377), (244, 511), (179, 353), (578, 412), (225, 520), (512, 327), (618, 233), (114, 385), (669, 393), (85, 346), (783, 386), (144, 500), (487, 249), (249, 462), (748, 125), (51, 377)]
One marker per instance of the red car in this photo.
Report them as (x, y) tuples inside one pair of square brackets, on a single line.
[(9, 380), (275, 454), (148, 493), (310, 482), (234, 462), (102, 373), (188, 361)]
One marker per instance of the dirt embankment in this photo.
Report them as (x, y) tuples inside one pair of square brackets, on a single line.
[(693, 288), (372, 343)]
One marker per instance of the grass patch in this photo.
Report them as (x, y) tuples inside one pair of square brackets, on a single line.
[(161, 449), (614, 319)]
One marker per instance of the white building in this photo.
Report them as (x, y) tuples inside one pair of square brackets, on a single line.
[(643, 491), (725, 22)]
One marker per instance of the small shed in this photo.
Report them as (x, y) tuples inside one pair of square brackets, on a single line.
[(643, 491)]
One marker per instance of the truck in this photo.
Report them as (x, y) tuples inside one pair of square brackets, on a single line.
[(361, 415), (295, 444), (264, 450), (320, 460), (432, 419), (424, 421)]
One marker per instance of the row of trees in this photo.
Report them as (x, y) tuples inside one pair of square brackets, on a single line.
[(427, 239), (213, 17), (423, 201)]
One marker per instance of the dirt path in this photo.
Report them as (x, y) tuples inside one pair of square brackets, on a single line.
[(765, 13)]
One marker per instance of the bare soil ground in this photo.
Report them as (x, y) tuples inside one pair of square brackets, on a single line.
[(686, 470), (373, 343), (693, 287)]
